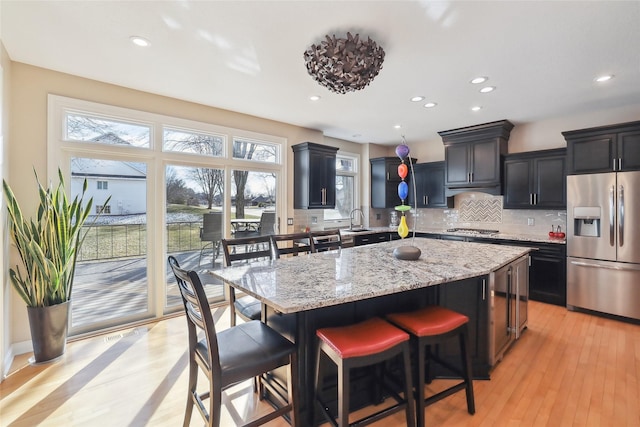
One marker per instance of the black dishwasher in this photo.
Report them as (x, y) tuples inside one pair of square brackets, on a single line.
[(548, 271)]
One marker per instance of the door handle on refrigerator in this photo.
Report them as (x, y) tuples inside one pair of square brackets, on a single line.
[(611, 216), (621, 216), (516, 327), (484, 289), (509, 293)]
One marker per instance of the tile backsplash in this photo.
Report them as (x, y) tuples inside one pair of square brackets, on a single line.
[(480, 210), (471, 210)]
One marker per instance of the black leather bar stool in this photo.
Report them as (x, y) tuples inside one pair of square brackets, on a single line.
[(430, 326), (363, 344)]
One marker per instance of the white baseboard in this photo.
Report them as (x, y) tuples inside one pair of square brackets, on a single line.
[(14, 350)]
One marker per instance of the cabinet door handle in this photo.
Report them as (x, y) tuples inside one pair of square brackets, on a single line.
[(484, 289), (619, 163), (535, 198), (531, 198), (426, 200), (388, 176), (471, 177)]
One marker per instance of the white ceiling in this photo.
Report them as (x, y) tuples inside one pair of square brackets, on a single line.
[(246, 56)]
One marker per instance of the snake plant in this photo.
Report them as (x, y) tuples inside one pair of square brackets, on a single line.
[(49, 245)]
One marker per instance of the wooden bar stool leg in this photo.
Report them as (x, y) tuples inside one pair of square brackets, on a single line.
[(343, 394), (420, 407), (411, 409), (466, 369)]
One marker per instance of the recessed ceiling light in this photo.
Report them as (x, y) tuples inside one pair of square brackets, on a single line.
[(314, 98), (430, 105), (397, 127), (476, 108), (487, 89), (604, 78), (417, 98), (479, 80), (140, 41)]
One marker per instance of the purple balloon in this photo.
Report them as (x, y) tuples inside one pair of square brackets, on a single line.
[(402, 151)]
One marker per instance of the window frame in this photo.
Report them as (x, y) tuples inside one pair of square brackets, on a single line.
[(355, 173), (60, 150)]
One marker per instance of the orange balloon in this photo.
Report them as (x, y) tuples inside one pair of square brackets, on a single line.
[(403, 170)]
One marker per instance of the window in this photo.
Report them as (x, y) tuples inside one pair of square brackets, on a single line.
[(257, 151), (103, 209), (92, 128), (193, 142), (346, 187), (155, 163)]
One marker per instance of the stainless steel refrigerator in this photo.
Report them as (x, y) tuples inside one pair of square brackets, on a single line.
[(603, 243)]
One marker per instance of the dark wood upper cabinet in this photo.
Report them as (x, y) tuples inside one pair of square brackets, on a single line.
[(385, 180), (473, 157), (604, 149), (314, 176), (535, 180), (430, 191)]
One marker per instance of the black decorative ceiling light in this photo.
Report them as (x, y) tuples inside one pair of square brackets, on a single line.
[(344, 64)]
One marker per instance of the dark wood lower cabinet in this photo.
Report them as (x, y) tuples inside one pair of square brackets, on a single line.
[(464, 296), (547, 272)]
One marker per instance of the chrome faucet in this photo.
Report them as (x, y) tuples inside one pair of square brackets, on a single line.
[(351, 218)]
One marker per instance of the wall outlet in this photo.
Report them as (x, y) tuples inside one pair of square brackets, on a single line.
[(531, 221), (289, 221), (378, 216), (314, 220)]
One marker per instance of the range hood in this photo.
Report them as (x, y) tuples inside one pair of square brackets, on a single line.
[(474, 157)]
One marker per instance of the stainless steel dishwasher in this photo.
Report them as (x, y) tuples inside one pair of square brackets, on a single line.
[(508, 299)]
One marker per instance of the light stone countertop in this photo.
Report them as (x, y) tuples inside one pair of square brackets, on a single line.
[(501, 236), (325, 279)]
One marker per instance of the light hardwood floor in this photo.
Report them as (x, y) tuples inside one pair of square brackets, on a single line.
[(568, 369)]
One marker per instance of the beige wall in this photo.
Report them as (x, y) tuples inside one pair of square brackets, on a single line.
[(5, 291), (541, 135)]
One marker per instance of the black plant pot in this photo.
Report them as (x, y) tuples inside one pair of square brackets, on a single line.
[(48, 331)]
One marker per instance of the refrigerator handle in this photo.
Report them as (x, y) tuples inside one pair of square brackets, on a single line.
[(611, 216), (621, 216)]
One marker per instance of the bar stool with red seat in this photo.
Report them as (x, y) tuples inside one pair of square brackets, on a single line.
[(363, 344), (429, 326)]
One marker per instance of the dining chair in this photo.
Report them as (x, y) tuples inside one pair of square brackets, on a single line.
[(325, 240), (291, 244), (231, 356), (245, 249), (211, 232)]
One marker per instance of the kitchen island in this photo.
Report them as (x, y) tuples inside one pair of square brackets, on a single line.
[(304, 293)]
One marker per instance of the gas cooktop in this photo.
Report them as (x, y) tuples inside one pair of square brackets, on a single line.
[(472, 231)]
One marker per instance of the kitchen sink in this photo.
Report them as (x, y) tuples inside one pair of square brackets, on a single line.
[(357, 230)]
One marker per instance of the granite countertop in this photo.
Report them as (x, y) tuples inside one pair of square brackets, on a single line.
[(501, 236), (330, 278)]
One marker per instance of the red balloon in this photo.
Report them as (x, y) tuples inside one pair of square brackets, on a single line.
[(403, 170)]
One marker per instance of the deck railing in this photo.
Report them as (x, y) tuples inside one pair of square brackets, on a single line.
[(110, 241)]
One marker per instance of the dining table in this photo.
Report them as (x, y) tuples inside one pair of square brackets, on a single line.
[(304, 293)]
